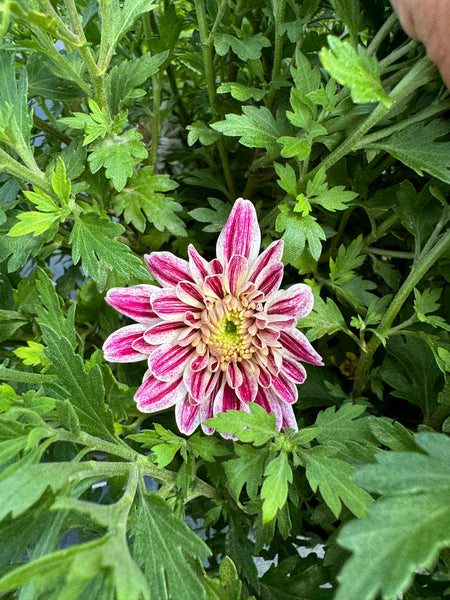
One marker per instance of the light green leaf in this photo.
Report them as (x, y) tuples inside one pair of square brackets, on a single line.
[(348, 259), (60, 184), (118, 154), (298, 230), (85, 390), (34, 222), (287, 178), (144, 200), (92, 241), (407, 527), (248, 48), (241, 92), (277, 475), (416, 147), (333, 478), (344, 425), (161, 544), (31, 354), (246, 470), (256, 427), (293, 146), (49, 308), (325, 318), (256, 128), (200, 131), (358, 70), (335, 198)]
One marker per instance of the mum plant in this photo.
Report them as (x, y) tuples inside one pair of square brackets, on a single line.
[(164, 166)]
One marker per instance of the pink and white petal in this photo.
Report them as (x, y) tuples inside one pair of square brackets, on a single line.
[(214, 285), (278, 322), (169, 307), (235, 273), (140, 345), (248, 389), (264, 377), (269, 279), (294, 370), (216, 267), (234, 376), (200, 384), (133, 302), (197, 264), (164, 332), (270, 403), (241, 234), (298, 346), (285, 389), (199, 362), (226, 399), (296, 301), (167, 268), (271, 255), (118, 346), (267, 336), (289, 419), (169, 362), (206, 412), (190, 294), (154, 395), (187, 416)]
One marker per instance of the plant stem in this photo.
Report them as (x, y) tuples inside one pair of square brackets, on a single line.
[(424, 263), (207, 52), (279, 7), (156, 121), (391, 253), (388, 26), (10, 165)]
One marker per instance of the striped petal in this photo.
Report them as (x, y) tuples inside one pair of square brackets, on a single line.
[(249, 387), (236, 273), (187, 416), (269, 280), (169, 362), (297, 301), (226, 399), (133, 302), (214, 285), (164, 332), (241, 234), (234, 376), (200, 384), (167, 268), (206, 412), (169, 307), (272, 254), (197, 265), (154, 395), (294, 370), (289, 419), (285, 389), (299, 347), (190, 294), (118, 347)]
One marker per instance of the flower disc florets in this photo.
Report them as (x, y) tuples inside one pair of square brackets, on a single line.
[(218, 334)]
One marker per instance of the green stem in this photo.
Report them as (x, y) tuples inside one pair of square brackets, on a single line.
[(391, 24), (279, 7), (207, 53), (36, 178), (425, 262), (156, 121), (391, 253)]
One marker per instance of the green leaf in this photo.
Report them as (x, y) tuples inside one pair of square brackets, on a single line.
[(161, 545), (201, 132), (357, 69), (246, 470), (248, 48), (34, 222), (391, 434), (333, 199), (417, 146), (215, 216), (298, 230), (347, 260), (49, 309), (206, 447), (333, 478), (325, 318), (256, 128), (306, 78), (410, 368), (407, 527), (241, 92), (92, 241), (288, 178), (85, 390), (144, 200), (350, 13), (277, 475), (118, 154), (60, 184), (293, 146), (256, 427), (343, 425), (95, 124), (128, 75)]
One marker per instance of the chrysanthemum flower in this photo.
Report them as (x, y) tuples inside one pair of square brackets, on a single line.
[(218, 334)]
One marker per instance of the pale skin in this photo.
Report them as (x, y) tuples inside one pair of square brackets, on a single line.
[(429, 22)]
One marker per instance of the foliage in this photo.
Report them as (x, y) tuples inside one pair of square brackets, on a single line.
[(131, 127)]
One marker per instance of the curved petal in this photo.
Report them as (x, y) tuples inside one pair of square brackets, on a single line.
[(299, 347), (133, 302), (200, 384), (270, 403), (168, 362), (214, 286), (226, 399), (216, 267), (187, 416), (289, 419), (118, 347), (154, 395), (167, 268), (249, 387), (197, 264), (294, 370), (140, 345), (241, 234), (269, 280), (285, 389), (236, 273), (297, 301), (190, 294), (272, 254), (164, 332), (234, 376), (206, 412), (169, 307)]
